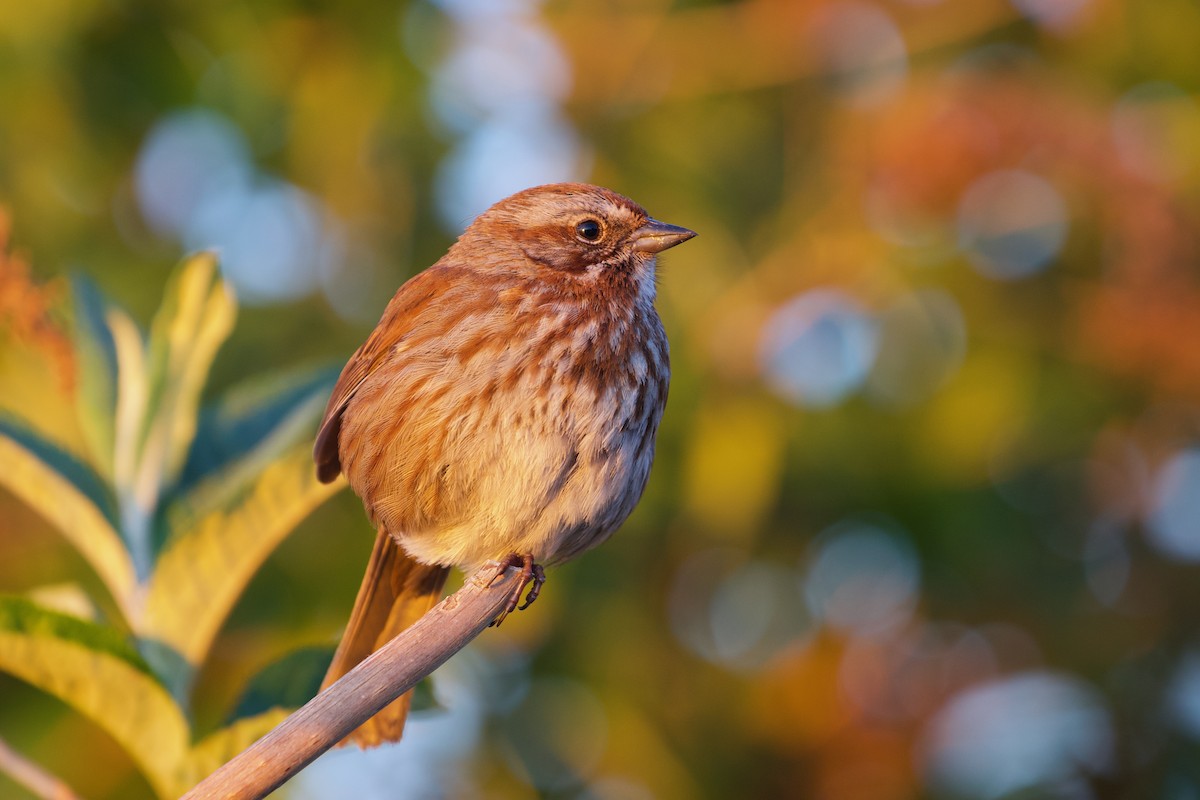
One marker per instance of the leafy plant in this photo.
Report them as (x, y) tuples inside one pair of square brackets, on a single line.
[(174, 508)]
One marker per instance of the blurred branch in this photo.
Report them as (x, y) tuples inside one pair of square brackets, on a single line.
[(32, 777), (388, 673)]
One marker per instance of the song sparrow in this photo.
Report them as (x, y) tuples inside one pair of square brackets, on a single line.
[(505, 406)]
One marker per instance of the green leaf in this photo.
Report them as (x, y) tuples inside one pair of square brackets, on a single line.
[(195, 318), (91, 669), (96, 373), (289, 682), (253, 424), (205, 566), (20, 615), (72, 498), (423, 698)]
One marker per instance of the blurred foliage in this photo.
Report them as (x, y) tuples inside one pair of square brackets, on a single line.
[(923, 521), (172, 554)]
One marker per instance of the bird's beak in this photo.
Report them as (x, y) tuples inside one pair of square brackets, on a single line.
[(655, 236)]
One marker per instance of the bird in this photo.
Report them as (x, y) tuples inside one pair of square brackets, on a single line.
[(505, 407)]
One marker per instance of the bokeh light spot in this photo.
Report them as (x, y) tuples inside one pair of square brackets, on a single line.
[(498, 91), (267, 234), (499, 67), (862, 579), (1156, 131), (906, 676), (185, 158), (861, 51), (617, 788), (1184, 695), (922, 341), (1011, 223), (1053, 14), (1106, 561), (736, 614), (196, 184), (818, 348), (1019, 733), (1174, 524), (742, 608), (504, 155)]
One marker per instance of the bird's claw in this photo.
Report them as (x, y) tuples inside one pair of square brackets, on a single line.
[(538, 579), (530, 573)]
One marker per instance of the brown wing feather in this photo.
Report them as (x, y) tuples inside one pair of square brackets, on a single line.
[(399, 318)]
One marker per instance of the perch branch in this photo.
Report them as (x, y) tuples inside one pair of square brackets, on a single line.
[(36, 780), (388, 673)]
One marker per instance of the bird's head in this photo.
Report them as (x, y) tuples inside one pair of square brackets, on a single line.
[(571, 229)]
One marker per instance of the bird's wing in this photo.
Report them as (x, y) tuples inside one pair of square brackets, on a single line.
[(403, 313)]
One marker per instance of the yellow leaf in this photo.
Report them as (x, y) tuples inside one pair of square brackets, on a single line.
[(206, 565), (196, 317), (131, 397), (121, 698), (44, 487)]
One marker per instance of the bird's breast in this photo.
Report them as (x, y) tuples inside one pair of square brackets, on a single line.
[(477, 443)]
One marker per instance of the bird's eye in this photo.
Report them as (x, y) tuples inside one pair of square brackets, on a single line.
[(589, 230)]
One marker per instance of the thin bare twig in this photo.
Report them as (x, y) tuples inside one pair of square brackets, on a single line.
[(389, 672), (32, 777)]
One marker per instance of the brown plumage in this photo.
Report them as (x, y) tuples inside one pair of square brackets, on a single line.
[(505, 405)]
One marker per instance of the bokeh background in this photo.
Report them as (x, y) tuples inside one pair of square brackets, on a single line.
[(925, 519)]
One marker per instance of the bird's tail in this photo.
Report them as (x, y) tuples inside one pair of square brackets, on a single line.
[(395, 592)]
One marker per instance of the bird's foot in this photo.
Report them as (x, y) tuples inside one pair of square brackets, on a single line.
[(530, 573)]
